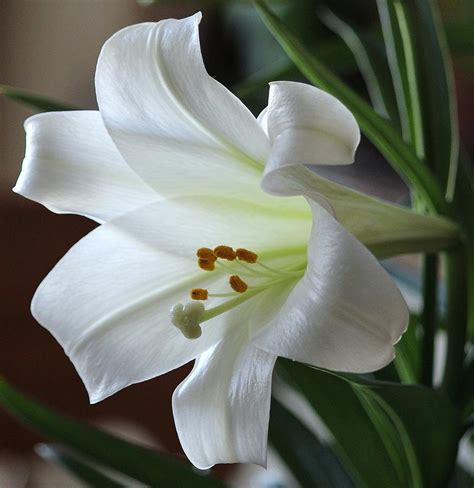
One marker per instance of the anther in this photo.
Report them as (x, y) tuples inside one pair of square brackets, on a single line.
[(206, 264), (225, 252), (237, 284), (206, 254), (199, 294), (246, 255)]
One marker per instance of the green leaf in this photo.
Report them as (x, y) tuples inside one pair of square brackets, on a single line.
[(377, 129), (464, 196), (439, 101), (365, 59), (467, 400), (408, 360), (80, 470), (312, 463), (398, 35), (33, 100), (429, 316), (140, 463), (335, 53), (387, 434)]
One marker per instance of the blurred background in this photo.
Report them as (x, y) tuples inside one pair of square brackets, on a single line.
[(51, 47)]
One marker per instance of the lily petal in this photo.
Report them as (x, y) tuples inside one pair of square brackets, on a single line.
[(386, 229), (72, 166), (182, 225), (108, 301), (345, 314), (175, 125), (307, 126), (221, 409)]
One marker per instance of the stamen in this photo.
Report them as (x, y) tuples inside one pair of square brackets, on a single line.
[(222, 295), (277, 272), (199, 294), (225, 252), (254, 272), (187, 318), (206, 254), (206, 264), (246, 255), (237, 284)]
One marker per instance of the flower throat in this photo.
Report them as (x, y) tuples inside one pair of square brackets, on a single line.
[(242, 265)]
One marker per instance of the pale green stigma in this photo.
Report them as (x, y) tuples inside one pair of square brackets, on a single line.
[(187, 318)]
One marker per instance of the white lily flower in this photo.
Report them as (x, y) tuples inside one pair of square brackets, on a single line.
[(172, 164)]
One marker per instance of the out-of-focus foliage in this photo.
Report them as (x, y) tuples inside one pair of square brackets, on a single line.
[(140, 463)]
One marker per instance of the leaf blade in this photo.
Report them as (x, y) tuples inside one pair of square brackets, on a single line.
[(78, 469), (439, 101), (429, 419), (311, 462), (365, 62), (37, 102), (135, 461), (398, 38)]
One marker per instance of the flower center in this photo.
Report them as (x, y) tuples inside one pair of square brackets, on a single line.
[(248, 276)]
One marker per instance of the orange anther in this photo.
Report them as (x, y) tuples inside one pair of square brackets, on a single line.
[(199, 294), (225, 252), (246, 255), (237, 284), (206, 264), (206, 253)]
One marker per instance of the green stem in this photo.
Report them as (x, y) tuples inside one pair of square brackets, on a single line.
[(467, 392), (428, 317), (456, 320)]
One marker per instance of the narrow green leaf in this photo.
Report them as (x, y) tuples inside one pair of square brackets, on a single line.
[(312, 463), (385, 431), (397, 31), (33, 100), (429, 316), (364, 61), (377, 129), (439, 101), (464, 196), (456, 316), (341, 59), (407, 359), (394, 436), (139, 463), (78, 469), (467, 400)]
